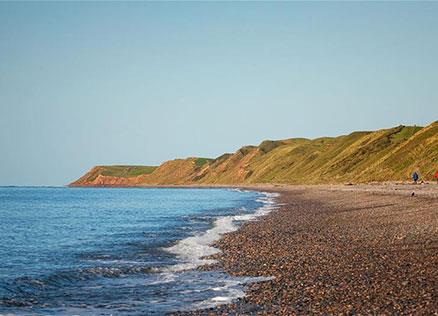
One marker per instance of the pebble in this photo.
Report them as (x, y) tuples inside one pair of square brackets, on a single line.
[(336, 252)]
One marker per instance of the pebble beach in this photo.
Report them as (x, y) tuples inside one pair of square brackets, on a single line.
[(345, 249)]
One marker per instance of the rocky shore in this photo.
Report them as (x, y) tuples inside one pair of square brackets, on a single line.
[(338, 250)]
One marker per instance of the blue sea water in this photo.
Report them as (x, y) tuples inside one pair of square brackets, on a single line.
[(96, 251)]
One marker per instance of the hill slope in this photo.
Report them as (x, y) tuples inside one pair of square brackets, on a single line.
[(383, 155)]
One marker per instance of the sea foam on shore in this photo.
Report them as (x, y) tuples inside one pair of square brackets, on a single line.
[(115, 261), (193, 250)]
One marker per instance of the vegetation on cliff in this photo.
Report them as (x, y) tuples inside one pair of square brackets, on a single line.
[(383, 155)]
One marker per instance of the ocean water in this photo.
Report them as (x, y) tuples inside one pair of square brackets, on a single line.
[(96, 251)]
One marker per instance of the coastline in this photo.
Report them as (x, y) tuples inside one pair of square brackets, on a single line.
[(337, 249), (428, 188), (196, 250)]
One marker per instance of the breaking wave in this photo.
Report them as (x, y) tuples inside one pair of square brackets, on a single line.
[(193, 250)]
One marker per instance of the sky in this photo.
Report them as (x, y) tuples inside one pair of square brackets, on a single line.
[(84, 84)]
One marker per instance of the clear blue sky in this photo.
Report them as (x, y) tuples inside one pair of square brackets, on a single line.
[(83, 84)]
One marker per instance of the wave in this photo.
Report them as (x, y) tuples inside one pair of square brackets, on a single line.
[(29, 286), (193, 250), (149, 279)]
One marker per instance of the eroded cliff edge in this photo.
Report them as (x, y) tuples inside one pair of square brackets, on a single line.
[(384, 155)]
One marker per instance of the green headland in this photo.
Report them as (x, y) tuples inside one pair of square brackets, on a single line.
[(360, 157)]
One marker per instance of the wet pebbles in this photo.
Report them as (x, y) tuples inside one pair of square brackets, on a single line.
[(337, 252)]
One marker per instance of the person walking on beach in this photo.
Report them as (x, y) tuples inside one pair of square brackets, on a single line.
[(415, 177)]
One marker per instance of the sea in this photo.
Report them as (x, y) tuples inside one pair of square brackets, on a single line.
[(118, 251)]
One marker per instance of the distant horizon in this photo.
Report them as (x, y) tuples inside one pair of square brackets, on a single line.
[(140, 83)]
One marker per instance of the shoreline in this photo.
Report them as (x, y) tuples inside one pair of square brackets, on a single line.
[(337, 249), (427, 188), (197, 249)]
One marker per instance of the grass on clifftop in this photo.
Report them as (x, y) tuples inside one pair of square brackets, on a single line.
[(199, 162), (126, 171), (384, 155)]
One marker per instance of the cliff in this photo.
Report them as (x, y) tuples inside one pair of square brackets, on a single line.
[(383, 155)]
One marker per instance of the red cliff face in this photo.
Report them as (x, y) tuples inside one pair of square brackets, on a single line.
[(117, 181), (95, 178), (179, 171), (384, 155)]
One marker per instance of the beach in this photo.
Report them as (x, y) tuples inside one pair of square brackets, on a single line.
[(343, 249)]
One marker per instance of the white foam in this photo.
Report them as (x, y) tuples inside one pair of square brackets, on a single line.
[(232, 289), (191, 250), (163, 278), (236, 190), (222, 299)]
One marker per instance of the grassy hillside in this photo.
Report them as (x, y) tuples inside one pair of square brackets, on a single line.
[(116, 171), (383, 155)]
